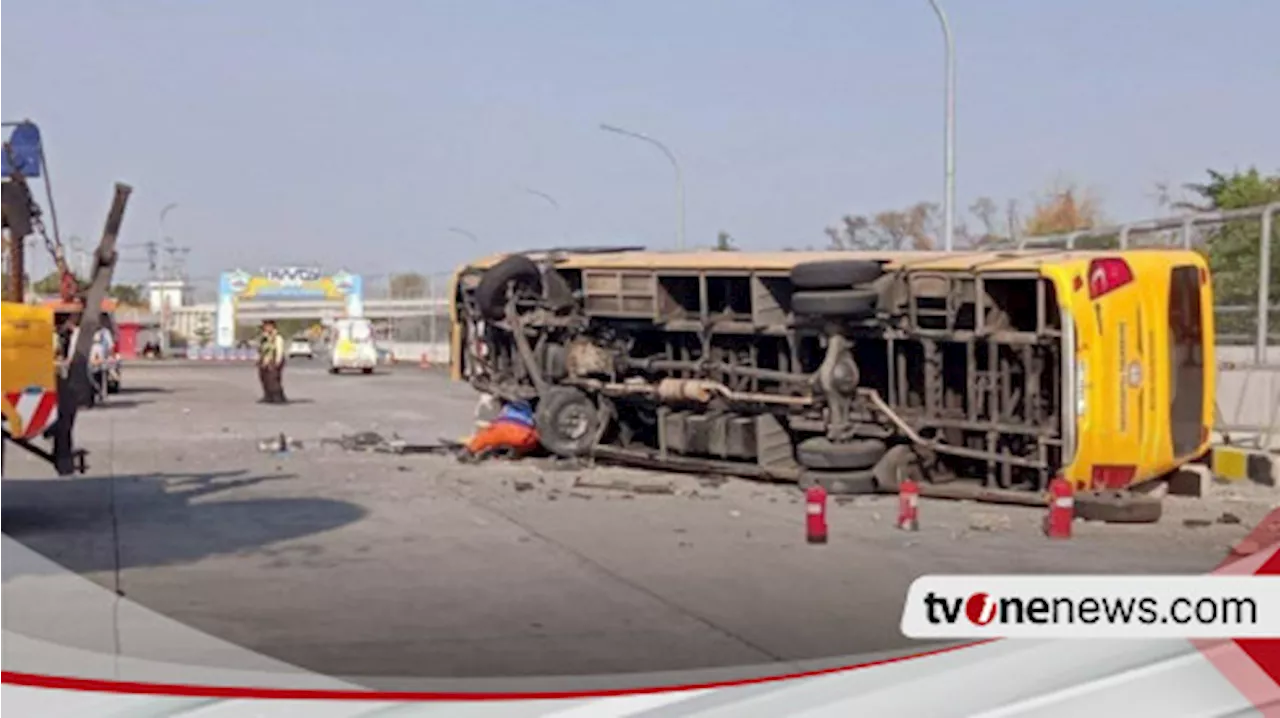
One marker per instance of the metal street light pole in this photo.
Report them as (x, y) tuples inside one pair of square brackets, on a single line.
[(949, 162), (551, 201), (538, 193), (82, 257), (161, 236), (679, 175), (464, 233), (165, 309)]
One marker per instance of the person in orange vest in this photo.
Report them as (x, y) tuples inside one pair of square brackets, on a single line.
[(511, 433)]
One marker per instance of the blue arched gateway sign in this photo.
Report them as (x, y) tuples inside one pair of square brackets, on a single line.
[(283, 283)]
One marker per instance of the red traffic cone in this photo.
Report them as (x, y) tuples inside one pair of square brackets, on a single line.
[(815, 514), (1062, 511), (908, 505)]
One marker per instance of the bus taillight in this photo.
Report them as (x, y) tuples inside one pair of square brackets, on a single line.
[(1107, 275), (1112, 477)]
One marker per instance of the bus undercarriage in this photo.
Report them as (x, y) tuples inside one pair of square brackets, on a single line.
[(836, 372)]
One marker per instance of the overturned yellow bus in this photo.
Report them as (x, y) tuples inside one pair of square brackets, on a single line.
[(984, 373)]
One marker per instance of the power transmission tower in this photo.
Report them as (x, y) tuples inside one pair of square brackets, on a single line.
[(153, 256), (175, 266)]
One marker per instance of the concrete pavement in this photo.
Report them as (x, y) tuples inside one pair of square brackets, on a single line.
[(375, 565)]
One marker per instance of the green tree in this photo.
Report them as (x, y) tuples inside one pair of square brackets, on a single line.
[(1234, 249), (408, 285), (50, 284), (915, 227), (203, 332), (724, 242), (128, 294)]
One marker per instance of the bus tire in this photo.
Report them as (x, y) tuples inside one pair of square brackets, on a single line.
[(835, 273), (844, 483), (491, 291), (1117, 507), (567, 422), (821, 453), (847, 303)]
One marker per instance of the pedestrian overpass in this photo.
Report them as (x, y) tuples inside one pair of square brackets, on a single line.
[(251, 311)]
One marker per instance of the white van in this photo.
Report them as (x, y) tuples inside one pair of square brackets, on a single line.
[(351, 346)]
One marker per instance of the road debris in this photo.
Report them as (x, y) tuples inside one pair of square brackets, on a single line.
[(373, 442), (279, 444), (1228, 518), (626, 486), (522, 486), (1196, 523), (989, 522), (362, 441)]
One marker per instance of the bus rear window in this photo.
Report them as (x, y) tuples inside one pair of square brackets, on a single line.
[(1186, 360)]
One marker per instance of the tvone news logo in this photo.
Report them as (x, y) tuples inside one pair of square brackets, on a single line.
[(979, 608), (982, 609)]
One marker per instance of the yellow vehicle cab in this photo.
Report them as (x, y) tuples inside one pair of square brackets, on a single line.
[(1004, 369), (29, 378)]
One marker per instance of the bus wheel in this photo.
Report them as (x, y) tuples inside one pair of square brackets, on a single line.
[(567, 422), (835, 273), (841, 483), (822, 453), (851, 304), (491, 293)]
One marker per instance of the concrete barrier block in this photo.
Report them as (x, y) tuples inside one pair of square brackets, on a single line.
[(1191, 480), (1236, 464), (1229, 463)]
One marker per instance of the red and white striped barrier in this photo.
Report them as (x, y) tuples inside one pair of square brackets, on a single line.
[(35, 408)]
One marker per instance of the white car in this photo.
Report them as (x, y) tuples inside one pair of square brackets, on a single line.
[(352, 346), (301, 348)]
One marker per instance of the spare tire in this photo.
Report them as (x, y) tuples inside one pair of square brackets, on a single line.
[(822, 453), (844, 483), (847, 303), (1117, 507), (492, 290), (835, 273)]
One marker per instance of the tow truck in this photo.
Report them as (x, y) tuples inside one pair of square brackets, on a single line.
[(40, 396)]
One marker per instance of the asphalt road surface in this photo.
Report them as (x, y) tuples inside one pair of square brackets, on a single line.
[(365, 564)]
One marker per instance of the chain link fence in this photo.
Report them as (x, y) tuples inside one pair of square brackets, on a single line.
[(411, 309)]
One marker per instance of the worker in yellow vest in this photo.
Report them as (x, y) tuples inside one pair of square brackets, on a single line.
[(271, 356)]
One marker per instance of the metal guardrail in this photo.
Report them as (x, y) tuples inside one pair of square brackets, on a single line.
[(1251, 385)]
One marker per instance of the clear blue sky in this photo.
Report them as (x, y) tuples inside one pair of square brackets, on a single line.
[(351, 134)]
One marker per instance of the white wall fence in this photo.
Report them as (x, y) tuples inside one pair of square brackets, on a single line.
[(413, 352)]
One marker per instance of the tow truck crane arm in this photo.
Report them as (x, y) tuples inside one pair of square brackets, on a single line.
[(21, 217)]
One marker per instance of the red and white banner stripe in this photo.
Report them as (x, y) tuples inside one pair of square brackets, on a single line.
[(36, 410)]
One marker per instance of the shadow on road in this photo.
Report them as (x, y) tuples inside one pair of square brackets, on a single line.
[(157, 520), (117, 403), (126, 390)]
